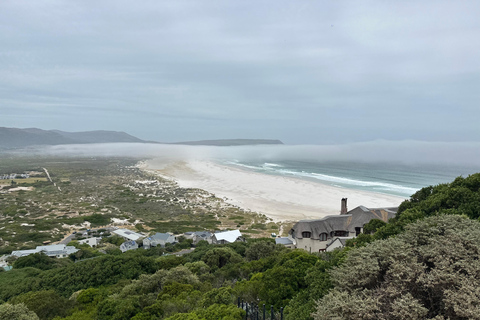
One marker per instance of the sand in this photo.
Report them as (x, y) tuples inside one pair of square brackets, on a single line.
[(280, 198)]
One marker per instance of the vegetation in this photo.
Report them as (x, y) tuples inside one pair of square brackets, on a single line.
[(421, 265)]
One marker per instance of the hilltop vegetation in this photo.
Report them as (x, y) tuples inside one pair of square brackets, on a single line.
[(424, 264)]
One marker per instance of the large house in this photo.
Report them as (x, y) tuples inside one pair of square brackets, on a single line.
[(56, 250), (158, 239), (332, 231), (225, 237)]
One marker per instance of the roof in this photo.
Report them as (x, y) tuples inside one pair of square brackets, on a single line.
[(356, 217), (129, 234), (160, 236), (203, 234), (229, 236), (342, 240), (55, 249), (283, 240)]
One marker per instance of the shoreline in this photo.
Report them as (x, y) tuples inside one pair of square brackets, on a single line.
[(279, 198)]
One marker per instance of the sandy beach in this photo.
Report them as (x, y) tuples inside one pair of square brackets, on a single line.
[(280, 198)]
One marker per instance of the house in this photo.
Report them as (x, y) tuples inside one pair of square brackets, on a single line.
[(158, 239), (128, 234), (316, 235), (129, 245), (224, 237), (198, 236), (92, 242), (55, 250)]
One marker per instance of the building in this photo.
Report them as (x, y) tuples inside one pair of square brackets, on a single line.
[(128, 234), (224, 237), (317, 235), (158, 239), (198, 236), (338, 242), (129, 245), (285, 241), (55, 250), (92, 242)]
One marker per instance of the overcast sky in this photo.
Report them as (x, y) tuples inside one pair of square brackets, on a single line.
[(305, 72)]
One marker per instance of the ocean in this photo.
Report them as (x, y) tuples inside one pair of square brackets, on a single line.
[(388, 178)]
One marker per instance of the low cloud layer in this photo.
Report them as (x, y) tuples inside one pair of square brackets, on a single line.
[(403, 152)]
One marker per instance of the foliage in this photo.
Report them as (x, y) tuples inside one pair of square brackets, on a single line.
[(46, 304), (429, 271), (37, 260), (16, 312)]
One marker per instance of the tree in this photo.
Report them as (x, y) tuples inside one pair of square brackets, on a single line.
[(16, 312), (218, 257), (259, 250), (429, 271), (46, 304)]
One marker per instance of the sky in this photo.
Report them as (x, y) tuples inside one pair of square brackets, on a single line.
[(304, 72)]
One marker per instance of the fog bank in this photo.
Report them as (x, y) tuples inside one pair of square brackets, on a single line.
[(404, 152)]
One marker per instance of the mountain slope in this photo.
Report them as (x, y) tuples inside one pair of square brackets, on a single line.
[(18, 138)]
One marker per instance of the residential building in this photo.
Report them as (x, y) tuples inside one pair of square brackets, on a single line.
[(128, 234), (287, 242), (92, 242), (316, 235), (129, 245), (224, 237), (160, 239), (56, 250), (198, 236)]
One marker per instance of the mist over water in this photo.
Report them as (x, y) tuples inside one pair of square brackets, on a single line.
[(392, 167)]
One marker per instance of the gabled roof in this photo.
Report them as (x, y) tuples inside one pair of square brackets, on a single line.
[(203, 234), (161, 236), (229, 236)]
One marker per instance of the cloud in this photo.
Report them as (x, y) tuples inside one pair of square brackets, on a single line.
[(183, 70)]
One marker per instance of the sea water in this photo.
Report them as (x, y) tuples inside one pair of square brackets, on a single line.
[(388, 178)]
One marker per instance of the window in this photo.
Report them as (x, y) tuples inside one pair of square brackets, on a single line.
[(323, 237), (306, 234), (340, 233)]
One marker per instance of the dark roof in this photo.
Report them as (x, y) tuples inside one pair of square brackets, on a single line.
[(356, 217)]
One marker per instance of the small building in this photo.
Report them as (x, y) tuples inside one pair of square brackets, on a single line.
[(128, 234), (198, 236), (55, 250), (92, 242), (285, 241), (129, 245), (160, 239), (225, 237)]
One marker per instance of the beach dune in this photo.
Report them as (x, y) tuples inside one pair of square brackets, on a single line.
[(280, 198)]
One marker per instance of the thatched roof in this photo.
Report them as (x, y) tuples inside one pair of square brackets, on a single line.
[(357, 217)]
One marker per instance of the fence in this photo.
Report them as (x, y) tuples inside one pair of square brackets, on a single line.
[(255, 312)]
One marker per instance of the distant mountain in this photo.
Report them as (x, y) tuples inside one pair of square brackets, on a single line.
[(230, 142), (19, 138)]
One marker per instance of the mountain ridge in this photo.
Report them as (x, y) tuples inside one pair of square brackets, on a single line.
[(13, 138)]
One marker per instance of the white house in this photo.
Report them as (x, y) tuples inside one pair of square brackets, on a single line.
[(128, 234), (55, 250), (92, 242), (224, 237)]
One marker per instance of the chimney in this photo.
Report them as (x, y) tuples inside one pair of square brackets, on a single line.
[(344, 209)]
